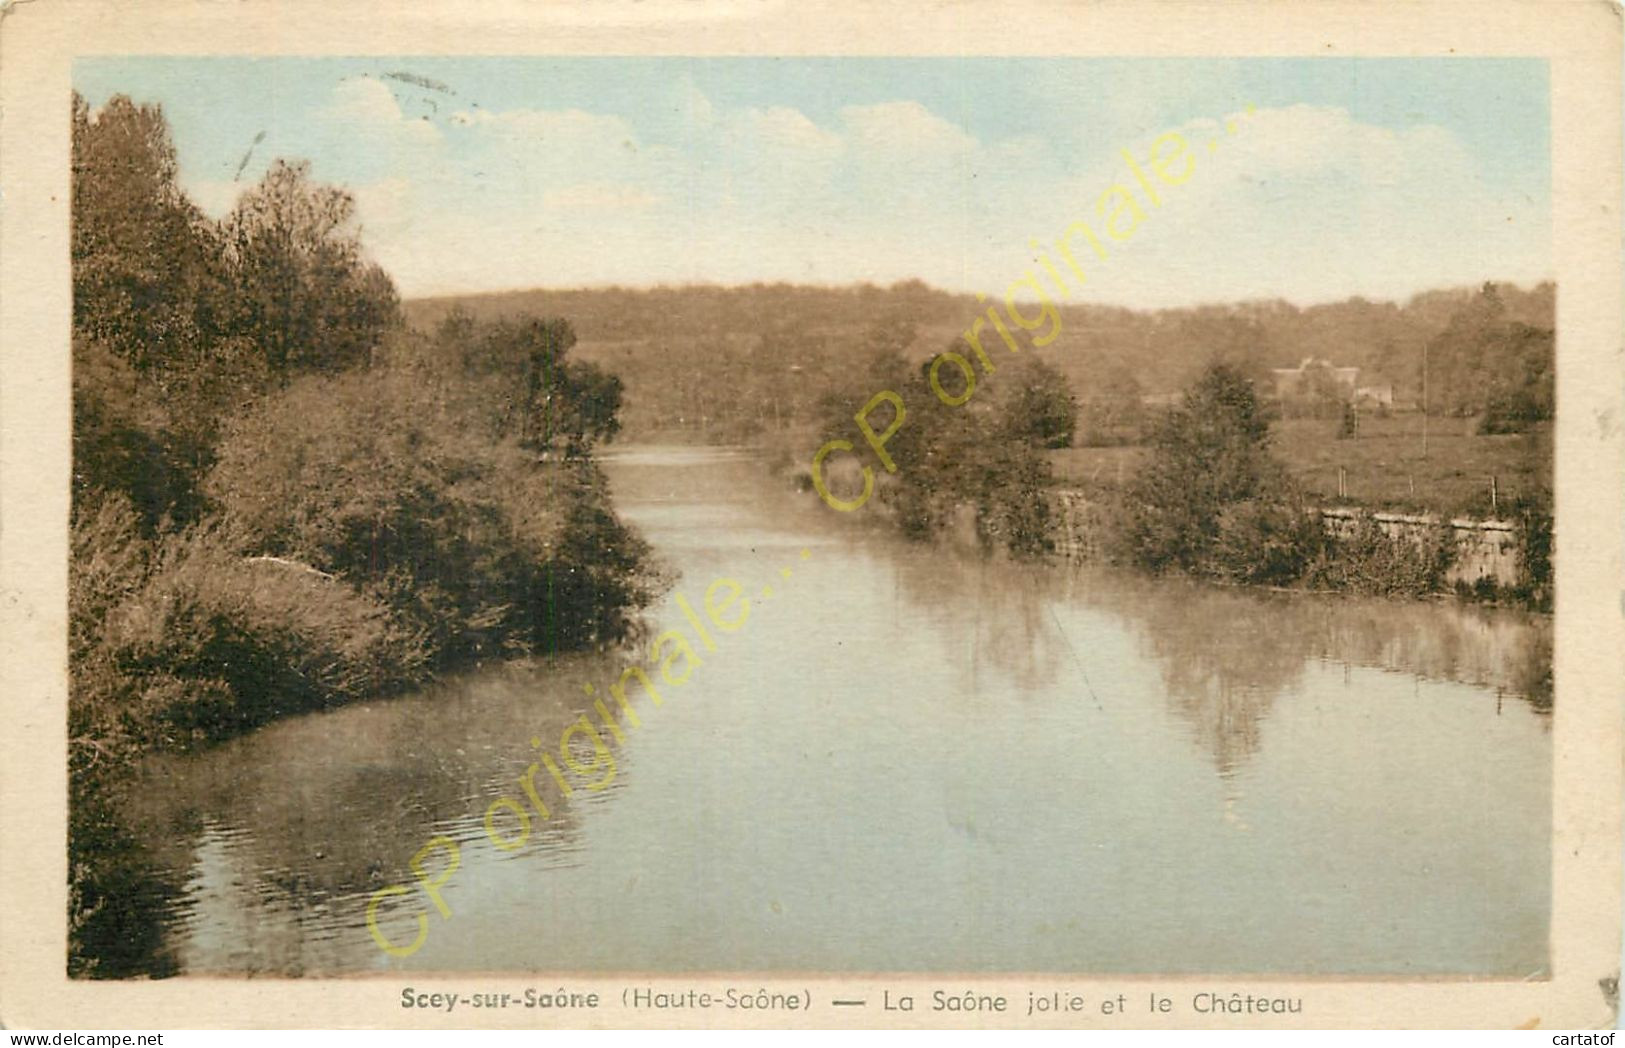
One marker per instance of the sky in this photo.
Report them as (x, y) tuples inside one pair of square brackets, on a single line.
[(1312, 179)]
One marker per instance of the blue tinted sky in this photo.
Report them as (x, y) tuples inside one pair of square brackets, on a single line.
[(1348, 176)]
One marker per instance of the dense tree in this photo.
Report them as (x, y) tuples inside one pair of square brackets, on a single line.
[(145, 274), (179, 321), (1487, 363), (302, 291), (146, 295), (533, 392), (1209, 453), (1036, 405)]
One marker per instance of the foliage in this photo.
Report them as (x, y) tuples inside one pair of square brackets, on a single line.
[(176, 640), (1110, 410), (1207, 454), (377, 478), (1036, 405), (301, 289), (1486, 363), (282, 501), (1522, 391), (111, 886), (1212, 501), (1533, 517), (1266, 542), (179, 320), (532, 391), (144, 257), (179, 639), (724, 364), (984, 455), (1367, 560), (128, 442)]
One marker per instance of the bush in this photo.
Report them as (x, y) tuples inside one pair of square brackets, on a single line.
[(1208, 454), (178, 639), (112, 889), (1265, 543), (1367, 560), (125, 438), (986, 454), (1533, 515), (1036, 404)]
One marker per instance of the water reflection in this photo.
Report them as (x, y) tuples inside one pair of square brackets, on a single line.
[(1225, 655), (287, 831), (914, 759), (990, 629)]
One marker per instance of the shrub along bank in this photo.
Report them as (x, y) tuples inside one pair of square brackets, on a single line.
[(1211, 500), (283, 500)]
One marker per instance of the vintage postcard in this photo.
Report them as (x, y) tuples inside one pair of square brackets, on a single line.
[(664, 515)]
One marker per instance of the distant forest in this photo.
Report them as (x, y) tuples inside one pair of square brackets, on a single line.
[(722, 363)]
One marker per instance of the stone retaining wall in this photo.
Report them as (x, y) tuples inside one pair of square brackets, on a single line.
[(1485, 549)]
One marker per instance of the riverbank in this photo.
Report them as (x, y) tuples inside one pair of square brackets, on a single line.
[(946, 705), (186, 640), (1207, 497), (1373, 552), (283, 499), (1332, 549)]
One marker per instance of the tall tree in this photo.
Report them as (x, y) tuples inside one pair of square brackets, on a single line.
[(1036, 404), (1210, 452), (303, 291), (143, 254), (1486, 363)]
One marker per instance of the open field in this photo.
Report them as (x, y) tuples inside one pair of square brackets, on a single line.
[(1383, 464)]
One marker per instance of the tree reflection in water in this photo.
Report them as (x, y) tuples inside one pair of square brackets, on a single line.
[(1226, 654), (333, 819)]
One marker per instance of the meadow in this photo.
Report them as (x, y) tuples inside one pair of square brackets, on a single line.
[(1382, 466)]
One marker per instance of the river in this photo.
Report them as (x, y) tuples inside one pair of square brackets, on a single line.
[(909, 758)]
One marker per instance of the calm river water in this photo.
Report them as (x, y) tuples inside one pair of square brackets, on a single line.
[(911, 758)]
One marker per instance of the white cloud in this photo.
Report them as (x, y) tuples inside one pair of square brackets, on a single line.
[(905, 127), (555, 127), (783, 128), (598, 196), (364, 105), (215, 196), (1301, 202), (693, 106)]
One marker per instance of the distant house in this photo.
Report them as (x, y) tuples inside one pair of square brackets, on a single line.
[(1315, 377), (1381, 395)]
